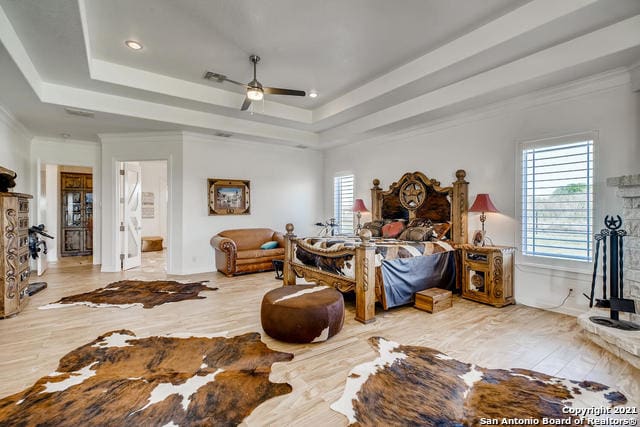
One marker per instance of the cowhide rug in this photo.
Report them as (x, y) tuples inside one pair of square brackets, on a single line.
[(410, 385), (130, 293), (175, 380)]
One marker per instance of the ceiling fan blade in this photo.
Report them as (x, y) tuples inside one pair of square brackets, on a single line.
[(210, 75), (236, 83), (278, 91), (245, 104)]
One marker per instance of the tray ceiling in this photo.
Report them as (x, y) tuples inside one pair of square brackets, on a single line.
[(377, 65)]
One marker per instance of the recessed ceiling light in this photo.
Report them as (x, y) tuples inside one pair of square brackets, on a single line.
[(65, 135), (132, 44), (313, 94)]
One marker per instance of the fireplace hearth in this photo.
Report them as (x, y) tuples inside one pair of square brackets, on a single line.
[(623, 343)]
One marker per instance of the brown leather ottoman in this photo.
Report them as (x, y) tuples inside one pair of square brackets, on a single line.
[(302, 313), (151, 243)]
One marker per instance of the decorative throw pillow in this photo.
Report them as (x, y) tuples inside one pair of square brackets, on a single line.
[(419, 222), (440, 230), (269, 245), (375, 227), (392, 230), (416, 234)]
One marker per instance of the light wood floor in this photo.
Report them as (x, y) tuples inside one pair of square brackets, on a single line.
[(32, 342)]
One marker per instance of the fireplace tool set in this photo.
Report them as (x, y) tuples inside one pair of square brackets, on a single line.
[(616, 301)]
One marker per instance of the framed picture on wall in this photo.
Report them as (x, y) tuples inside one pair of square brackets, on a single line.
[(148, 205), (228, 196)]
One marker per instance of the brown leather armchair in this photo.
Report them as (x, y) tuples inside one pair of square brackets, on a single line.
[(238, 251)]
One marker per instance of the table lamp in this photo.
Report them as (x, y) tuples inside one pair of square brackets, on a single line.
[(483, 204), (359, 207)]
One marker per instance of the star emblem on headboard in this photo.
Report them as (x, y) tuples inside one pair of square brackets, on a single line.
[(412, 194)]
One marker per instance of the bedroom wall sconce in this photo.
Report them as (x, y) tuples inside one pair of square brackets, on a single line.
[(359, 207), (482, 204)]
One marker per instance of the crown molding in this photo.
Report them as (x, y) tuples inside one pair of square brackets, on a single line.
[(596, 83), (47, 140), (202, 137), (155, 137), (14, 124)]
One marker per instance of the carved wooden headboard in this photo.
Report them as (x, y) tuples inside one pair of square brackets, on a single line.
[(417, 196)]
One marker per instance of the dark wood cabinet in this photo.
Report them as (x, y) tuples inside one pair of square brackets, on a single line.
[(487, 274), (14, 252), (76, 219)]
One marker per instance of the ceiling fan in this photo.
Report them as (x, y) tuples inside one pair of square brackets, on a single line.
[(255, 90)]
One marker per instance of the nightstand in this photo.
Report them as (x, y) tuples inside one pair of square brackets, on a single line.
[(487, 274)]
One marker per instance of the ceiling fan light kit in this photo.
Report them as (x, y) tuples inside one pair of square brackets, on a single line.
[(255, 90), (255, 94)]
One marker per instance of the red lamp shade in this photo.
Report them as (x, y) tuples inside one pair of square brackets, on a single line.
[(483, 203), (358, 206)]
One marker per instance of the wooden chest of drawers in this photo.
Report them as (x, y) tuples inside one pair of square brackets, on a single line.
[(14, 252)]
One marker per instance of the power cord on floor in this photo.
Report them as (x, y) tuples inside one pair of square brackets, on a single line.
[(561, 304)]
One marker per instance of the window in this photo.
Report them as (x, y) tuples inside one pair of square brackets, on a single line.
[(343, 202), (557, 198)]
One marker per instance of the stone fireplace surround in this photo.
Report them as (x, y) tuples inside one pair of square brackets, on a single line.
[(625, 344)]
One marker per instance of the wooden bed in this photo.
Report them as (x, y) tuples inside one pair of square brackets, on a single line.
[(413, 196)]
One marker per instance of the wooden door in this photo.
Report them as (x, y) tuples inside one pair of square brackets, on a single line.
[(72, 229), (132, 217), (76, 220)]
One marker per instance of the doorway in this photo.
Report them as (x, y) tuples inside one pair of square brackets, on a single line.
[(143, 215), (65, 207)]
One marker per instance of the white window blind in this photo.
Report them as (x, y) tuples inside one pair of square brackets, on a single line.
[(557, 199), (343, 202)]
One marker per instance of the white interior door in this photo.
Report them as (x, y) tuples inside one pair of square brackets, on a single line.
[(132, 218)]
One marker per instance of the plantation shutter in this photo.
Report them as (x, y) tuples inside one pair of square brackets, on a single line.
[(557, 199), (343, 202)]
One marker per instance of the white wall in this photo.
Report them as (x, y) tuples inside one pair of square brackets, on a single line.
[(154, 180), (484, 143), (286, 186), (77, 155), (14, 150)]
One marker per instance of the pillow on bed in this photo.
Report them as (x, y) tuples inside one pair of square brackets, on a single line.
[(420, 222), (375, 227), (440, 230), (416, 234), (392, 230)]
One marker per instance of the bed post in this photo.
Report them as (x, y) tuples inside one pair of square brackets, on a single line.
[(460, 206), (365, 279), (289, 276), (376, 212)]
